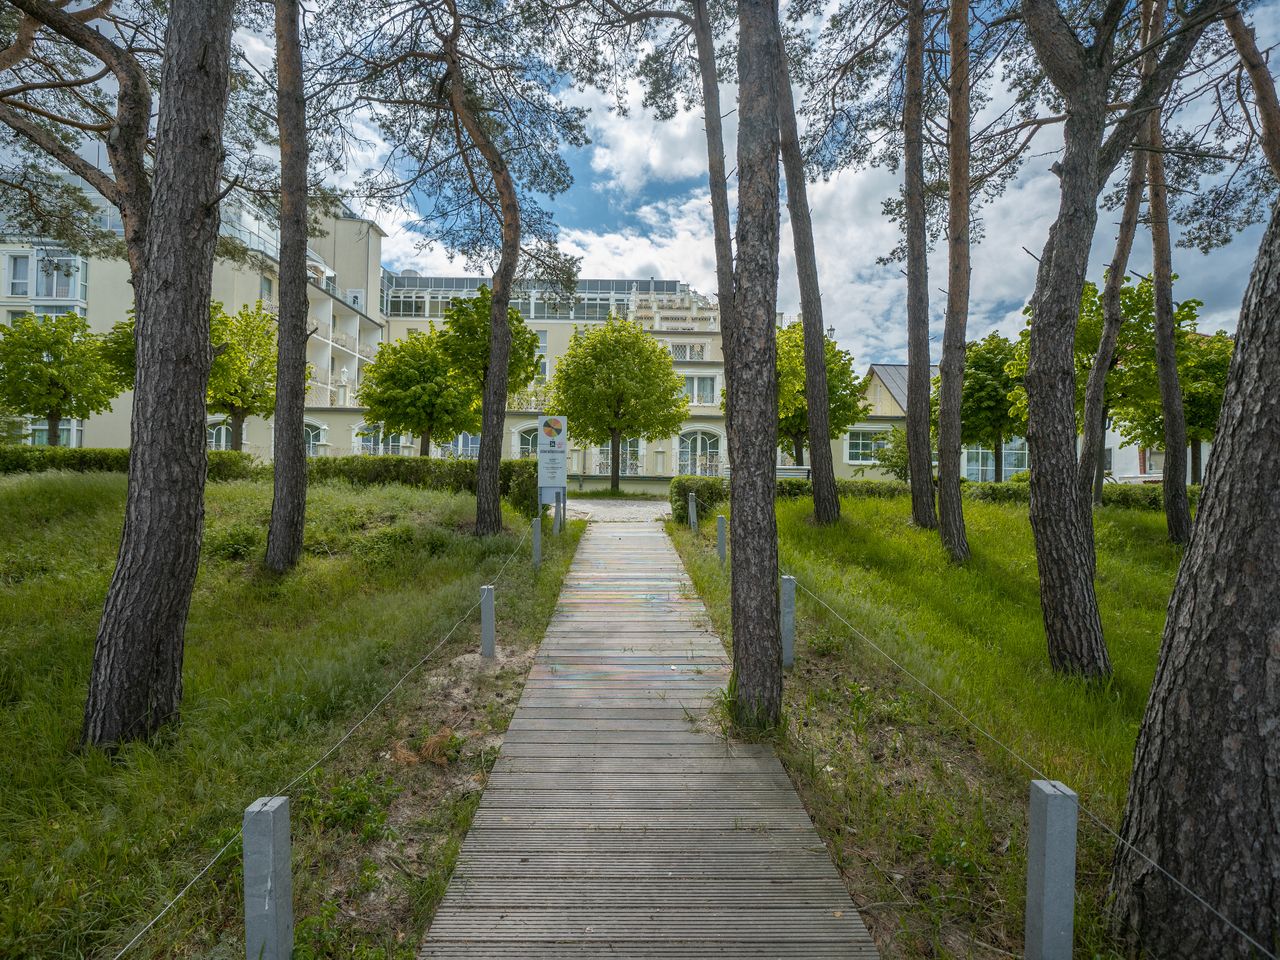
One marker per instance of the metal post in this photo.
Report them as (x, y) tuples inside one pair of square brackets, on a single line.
[(268, 883), (722, 539), (788, 621), (1051, 871), (557, 516), (486, 621), (693, 513), (537, 539)]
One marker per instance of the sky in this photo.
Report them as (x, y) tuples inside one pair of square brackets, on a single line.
[(640, 208)]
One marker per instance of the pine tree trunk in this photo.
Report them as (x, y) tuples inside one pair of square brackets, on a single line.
[(615, 456), (751, 368), (1061, 519), (235, 423), (1177, 509), (494, 401), (1099, 458), (826, 503), (136, 681), (919, 442), (1095, 392), (289, 490), (1204, 798), (53, 428), (998, 449), (950, 504), (717, 179), (1197, 462), (1264, 86)]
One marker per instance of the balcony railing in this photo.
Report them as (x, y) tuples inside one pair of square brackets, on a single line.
[(705, 465), (367, 350), (628, 465), (533, 397)]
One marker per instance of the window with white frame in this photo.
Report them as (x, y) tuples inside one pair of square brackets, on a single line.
[(688, 351), (465, 446), (528, 443), (541, 376), (372, 440), (700, 454), (70, 433), (313, 437), (700, 390), (865, 445), (629, 460), (219, 435), (980, 462), (266, 289), (61, 276), (19, 275)]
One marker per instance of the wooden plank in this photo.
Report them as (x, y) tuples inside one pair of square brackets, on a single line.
[(612, 824)]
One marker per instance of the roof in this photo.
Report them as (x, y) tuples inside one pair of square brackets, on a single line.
[(894, 377)]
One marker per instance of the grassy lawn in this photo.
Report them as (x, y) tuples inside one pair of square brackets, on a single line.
[(277, 669), (925, 817)]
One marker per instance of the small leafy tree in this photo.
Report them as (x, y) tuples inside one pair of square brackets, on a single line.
[(845, 391), (617, 381), (464, 340), (242, 381), (985, 415), (413, 386), (52, 368), (893, 457)]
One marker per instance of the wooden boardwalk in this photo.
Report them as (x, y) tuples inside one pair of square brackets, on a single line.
[(611, 827)]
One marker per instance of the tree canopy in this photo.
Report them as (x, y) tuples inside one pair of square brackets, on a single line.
[(53, 367), (845, 391), (985, 400), (242, 380), (616, 381), (415, 386), (464, 339)]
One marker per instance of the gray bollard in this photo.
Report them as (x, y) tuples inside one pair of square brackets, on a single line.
[(557, 514), (722, 538), (268, 882), (788, 611), (486, 621), (537, 540), (693, 513), (1051, 871)]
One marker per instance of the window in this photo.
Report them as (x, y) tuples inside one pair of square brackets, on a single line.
[(628, 458), (689, 351), (980, 462), (370, 440), (219, 436), (465, 446), (865, 445), (19, 275), (60, 276), (411, 331), (266, 289), (70, 434), (313, 436), (528, 443), (700, 390), (1106, 459), (541, 376), (700, 454)]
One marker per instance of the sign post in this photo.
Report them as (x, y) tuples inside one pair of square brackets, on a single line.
[(553, 454)]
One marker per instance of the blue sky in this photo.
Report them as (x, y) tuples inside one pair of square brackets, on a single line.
[(639, 207)]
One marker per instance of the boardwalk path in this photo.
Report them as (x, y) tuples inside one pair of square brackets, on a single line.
[(610, 826)]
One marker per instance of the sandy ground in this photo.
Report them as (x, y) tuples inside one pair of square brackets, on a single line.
[(614, 511)]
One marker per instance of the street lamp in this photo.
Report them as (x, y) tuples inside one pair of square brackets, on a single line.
[(831, 333)]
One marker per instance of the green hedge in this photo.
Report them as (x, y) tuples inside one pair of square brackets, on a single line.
[(517, 479), (21, 458), (710, 491), (714, 490)]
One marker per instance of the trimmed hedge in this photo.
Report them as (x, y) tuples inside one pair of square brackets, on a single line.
[(714, 490), (517, 479), (21, 458)]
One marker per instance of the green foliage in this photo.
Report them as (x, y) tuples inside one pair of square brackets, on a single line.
[(414, 386), (846, 391), (517, 479), (54, 366), (465, 341), (242, 380), (710, 491), (120, 349), (893, 457), (20, 458), (616, 379), (985, 417), (1134, 496), (12, 428)]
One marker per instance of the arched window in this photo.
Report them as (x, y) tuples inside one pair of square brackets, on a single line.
[(313, 436), (219, 434), (528, 443), (465, 446), (700, 453), (371, 440), (628, 458)]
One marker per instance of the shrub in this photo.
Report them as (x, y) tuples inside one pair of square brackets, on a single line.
[(519, 482), (21, 458), (517, 479), (1133, 496), (235, 465), (1022, 476), (709, 491)]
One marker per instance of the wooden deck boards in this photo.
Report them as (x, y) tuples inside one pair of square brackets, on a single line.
[(611, 825)]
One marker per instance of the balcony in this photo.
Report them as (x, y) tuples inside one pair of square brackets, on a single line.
[(533, 398), (368, 350)]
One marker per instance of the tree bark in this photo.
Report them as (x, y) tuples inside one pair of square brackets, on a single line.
[(136, 681), (798, 443), (998, 450), (1264, 86), (751, 368), (1099, 458), (950, 505), (235, 423), (1095, 392), (289, 488), (1197, 462), (822, 473), (1204, 798), (615, 456), (494, 402), (53, 428), (717, 180), (919, 442)]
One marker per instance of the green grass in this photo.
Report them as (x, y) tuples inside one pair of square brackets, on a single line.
[(924, 815), (276, 670)]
